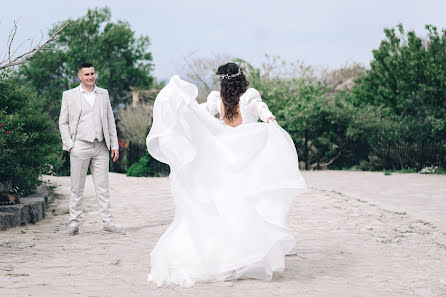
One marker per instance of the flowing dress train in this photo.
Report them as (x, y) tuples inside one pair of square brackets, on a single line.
[(232, 188)]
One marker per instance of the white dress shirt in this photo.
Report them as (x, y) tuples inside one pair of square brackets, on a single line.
[(90, 97)]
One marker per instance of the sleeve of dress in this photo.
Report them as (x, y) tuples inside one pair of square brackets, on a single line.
[(211, 105), (256, 105)]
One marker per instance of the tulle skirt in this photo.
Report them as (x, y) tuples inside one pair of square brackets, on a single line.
[(232, 189)]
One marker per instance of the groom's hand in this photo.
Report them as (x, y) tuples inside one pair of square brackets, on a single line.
[(115, 155)]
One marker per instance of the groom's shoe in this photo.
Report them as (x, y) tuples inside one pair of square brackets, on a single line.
[(72, 230), (113, 229)]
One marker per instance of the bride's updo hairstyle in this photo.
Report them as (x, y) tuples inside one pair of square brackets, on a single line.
[(233, 84)]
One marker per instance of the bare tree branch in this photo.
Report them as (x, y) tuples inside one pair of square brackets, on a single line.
[(317, 166), (201, 70), (11, 40), (13, 60)]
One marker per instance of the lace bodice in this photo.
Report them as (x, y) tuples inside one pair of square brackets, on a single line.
[(251, 106)]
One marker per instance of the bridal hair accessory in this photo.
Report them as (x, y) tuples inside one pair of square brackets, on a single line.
[(228, 76)]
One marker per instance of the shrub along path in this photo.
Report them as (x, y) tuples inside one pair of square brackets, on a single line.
[(358, 234)]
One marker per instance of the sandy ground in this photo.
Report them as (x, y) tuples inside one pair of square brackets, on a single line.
[(358, 234)]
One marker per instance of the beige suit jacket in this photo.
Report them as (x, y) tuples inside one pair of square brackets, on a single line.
[(70, 113)]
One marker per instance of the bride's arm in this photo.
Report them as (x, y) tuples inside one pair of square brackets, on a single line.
[(256, 105), (211, 105)]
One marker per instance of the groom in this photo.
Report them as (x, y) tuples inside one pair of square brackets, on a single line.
[(88, 130)]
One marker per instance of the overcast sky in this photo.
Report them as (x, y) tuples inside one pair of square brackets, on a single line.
[(317, 32)]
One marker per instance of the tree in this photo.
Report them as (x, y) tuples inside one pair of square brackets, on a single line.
[(121, 60), (29, 145), (201, 71), (408, 76)]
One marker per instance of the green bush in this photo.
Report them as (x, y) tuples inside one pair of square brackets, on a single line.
[(406, 76), (394, 111), (148, 166), (318, 123), (29, 142)]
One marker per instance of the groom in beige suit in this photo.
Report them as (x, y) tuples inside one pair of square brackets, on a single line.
[(88, 131)]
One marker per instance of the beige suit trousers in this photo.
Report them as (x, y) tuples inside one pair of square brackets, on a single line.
[(94, 155)]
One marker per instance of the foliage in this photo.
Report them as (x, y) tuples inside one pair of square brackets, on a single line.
[(346, 116), (429, 170), (135, 122), (432, 170), (317, 123), (29, 144), (121, 60), (147, 166), (407, 76)]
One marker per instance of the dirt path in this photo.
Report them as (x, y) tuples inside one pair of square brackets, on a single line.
[(358, 234)]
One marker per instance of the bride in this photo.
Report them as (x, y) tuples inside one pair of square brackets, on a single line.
[(232, 179)]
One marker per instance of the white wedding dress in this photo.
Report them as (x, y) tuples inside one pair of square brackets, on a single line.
[(232, 188)]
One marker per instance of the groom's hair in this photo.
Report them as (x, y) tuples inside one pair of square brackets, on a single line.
[(84, 65)]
